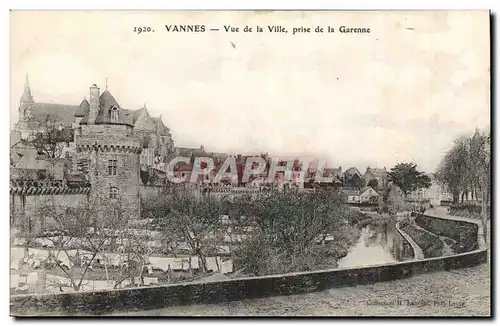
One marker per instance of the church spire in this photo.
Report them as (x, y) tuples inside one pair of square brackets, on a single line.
[(27, 97)]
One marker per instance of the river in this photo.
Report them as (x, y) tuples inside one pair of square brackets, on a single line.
[(374, 246)]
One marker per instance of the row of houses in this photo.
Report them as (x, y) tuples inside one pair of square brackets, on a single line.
[(376, 178), (363, 195)]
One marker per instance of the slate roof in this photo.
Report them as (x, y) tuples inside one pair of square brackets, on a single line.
[(143, 121), (83, 109), (367, 188), (352, 171), (30, 162), (14, 158), (333, 172), (64, 113), (326, 174), (106, 102), (15, 137), (136, 114), (351, 191), (377, 173), (197, 152), (23, 148), (338, 173), (160, 127)]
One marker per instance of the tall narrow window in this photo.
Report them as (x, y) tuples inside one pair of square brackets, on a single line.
[(113, 193), (114, 113), (112, 167)]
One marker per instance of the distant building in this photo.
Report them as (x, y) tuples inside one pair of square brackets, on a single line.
[(380, 175), (353, 195), (368, 195), (156, 139), (434, 194), (353, 178)]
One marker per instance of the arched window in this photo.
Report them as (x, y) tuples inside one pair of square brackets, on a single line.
[(113, 193), (113, 112)]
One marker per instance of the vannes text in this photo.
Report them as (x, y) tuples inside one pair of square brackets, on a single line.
[(249, 29)]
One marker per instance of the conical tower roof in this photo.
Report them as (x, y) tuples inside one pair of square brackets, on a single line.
[(82, 109)]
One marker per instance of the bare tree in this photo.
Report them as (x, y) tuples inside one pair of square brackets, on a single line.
[(452, 170), (192, 220), (134, 248), (86, 228), (480, 149), (49, 137), (465, 169)]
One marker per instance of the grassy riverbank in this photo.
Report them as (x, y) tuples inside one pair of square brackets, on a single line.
[(431, 245)]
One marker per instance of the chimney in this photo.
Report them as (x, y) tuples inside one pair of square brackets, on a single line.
[(94, 103)]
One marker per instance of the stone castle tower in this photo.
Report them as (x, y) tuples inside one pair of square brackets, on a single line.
[(106, 139)]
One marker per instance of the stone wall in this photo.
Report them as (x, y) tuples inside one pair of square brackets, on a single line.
[(24, 205), (405, 247), (402, 249), (466, 234), (93, 303)]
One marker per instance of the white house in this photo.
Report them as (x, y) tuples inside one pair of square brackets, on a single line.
[(367, 194), (353, 195), (434, 194)]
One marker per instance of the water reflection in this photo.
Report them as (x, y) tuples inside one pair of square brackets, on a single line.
[(375, 246)]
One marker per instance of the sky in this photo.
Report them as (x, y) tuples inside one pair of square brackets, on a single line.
[(403, 92)]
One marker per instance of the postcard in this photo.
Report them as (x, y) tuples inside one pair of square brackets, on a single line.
[(250, 163)]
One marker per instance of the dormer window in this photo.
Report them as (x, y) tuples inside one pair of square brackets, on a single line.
[(113, 112)]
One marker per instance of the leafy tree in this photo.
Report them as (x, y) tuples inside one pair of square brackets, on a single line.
[(355, 182), (290, 231), (391, 200), (408, 178)]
